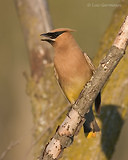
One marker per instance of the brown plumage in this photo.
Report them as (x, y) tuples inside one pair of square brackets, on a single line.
[(73, 68)]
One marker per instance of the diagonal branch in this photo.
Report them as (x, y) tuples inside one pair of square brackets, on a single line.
[(65, 133)]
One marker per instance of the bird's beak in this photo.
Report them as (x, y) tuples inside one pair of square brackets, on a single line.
[(47, 38)]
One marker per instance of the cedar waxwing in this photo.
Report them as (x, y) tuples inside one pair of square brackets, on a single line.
[(73, 69)]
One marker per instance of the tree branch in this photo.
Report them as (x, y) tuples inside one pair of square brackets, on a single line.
[(35, 19), (65, 133)]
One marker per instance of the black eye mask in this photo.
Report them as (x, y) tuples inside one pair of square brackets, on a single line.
[(53, 35)]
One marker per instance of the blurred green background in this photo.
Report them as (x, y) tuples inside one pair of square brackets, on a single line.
[(89, 17)]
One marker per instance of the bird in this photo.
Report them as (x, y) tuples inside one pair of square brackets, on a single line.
[(73, 69)]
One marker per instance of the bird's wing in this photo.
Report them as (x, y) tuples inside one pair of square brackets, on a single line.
[(57, 77), (98, 98), (58, 81), (89, 61)]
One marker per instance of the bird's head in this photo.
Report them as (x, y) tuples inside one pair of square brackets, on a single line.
[(56, 35)]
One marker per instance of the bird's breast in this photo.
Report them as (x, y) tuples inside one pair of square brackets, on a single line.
[(73, 73)]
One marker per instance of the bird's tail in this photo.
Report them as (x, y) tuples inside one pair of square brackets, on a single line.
[(90, 125)]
